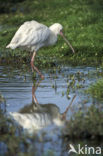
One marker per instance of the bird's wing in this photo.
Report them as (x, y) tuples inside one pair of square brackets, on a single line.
[(30, 33)]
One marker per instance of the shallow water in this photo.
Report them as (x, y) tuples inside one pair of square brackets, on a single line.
[(16, 87)]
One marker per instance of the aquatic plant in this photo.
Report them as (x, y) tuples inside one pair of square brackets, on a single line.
[(86, 124), (96, 89), (1, 98), (2, 103), (10, 136)]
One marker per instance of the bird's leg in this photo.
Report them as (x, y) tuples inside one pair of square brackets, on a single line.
[(64, 114), (34, 99), (35, 68)]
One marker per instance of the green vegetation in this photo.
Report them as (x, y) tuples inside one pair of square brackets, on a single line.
[(86, 124), (13, 142), (83, 24), (2, 103), (83, 125), (82, 21), (96, 90), (1, 98), (6, 6), (9, 134)]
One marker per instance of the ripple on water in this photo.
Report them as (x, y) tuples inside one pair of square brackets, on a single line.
[(18, 90)]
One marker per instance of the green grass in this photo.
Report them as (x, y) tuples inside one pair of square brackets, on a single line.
[(82, 21)]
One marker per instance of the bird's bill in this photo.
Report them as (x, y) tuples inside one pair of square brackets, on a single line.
[(61, 33)]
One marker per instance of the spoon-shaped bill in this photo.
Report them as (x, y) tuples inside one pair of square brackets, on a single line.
[(61, 33)]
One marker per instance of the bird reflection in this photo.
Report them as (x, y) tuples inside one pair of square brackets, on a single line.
[(36, 116)]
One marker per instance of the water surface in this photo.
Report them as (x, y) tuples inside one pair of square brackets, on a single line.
[(16, 87)]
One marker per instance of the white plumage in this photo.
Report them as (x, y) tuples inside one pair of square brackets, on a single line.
[(33, 35)]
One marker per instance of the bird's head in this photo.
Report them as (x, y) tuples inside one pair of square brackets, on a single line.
[(57, 29)]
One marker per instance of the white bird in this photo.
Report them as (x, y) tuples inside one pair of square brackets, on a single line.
[(33, 35)]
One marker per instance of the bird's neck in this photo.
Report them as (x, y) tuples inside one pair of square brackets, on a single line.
[(52, 38)]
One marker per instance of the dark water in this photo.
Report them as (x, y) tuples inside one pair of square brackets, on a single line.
[(16, 87)]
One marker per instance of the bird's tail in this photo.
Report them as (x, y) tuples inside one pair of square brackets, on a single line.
[(12, 46), (8, 46)]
